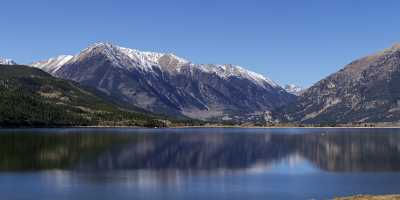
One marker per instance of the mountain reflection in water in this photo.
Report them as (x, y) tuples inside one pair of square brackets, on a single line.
[(199, 153)]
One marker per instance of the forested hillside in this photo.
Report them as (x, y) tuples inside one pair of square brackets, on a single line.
[(32, 97)]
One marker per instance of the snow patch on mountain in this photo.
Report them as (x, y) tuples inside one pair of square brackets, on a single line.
[(4, 61), (228, 70)]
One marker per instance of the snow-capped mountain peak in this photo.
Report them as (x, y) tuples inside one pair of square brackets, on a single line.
[(4, 61), (293, 89), (240, 71), (53, 64), (142, 57), (127, 58), (148, 59)]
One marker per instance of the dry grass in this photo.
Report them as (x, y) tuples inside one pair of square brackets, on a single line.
[(368, 197)]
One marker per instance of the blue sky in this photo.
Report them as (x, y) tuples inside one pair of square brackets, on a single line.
[(290, 41)]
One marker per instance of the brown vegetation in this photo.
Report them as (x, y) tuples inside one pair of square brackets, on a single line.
[(368, 197)]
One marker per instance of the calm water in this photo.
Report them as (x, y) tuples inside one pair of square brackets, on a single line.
[(48, 164)]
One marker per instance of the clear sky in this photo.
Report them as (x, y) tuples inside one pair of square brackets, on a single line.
[(290, 41)]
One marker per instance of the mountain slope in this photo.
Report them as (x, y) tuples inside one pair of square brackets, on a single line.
[(32, 97), (366, 90), (165, 83)]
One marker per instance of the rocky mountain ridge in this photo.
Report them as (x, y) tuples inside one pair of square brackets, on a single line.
[(365, 91)]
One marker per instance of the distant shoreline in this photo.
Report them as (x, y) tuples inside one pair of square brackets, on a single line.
[(187, 127), (370, 197)]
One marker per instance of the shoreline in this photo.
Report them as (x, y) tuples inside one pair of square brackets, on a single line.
[(370, 197), (187, 127)]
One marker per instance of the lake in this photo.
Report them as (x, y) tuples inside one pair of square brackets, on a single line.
[(197, 163)]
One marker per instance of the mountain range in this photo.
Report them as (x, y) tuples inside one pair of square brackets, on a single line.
[(167, 84), (365, 91)]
